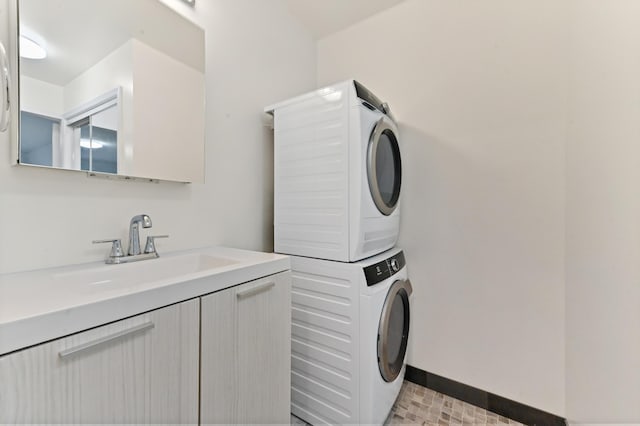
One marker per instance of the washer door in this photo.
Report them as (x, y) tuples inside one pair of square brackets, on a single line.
[(384, 168), (393, 330)]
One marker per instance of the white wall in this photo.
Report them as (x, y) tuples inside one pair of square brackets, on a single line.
[(168, 118), (114, 70), (41, 97), (603, 213), (479, 91), (255, 53)]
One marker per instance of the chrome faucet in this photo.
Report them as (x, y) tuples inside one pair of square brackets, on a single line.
[(117, 255), (134, 232)]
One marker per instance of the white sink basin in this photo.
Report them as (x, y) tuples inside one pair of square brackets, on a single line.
[(144, 271)]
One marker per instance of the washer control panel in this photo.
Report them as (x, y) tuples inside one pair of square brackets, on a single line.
[(385, 269), (394, 265)]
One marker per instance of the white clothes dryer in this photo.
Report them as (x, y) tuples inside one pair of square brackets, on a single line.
[(350, 325), (338, 174)]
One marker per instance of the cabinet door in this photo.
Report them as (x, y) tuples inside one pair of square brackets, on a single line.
[(140, 370), (246, 353)]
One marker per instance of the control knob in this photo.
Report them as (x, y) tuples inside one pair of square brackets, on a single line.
[(394, 265)]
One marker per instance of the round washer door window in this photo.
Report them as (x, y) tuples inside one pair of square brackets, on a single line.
[(384, 168), (393, 330)]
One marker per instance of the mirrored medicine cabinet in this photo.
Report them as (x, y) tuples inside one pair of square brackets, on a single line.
[(116, 89)]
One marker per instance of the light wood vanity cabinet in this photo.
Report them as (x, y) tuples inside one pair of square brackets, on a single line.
[(227, 353), (142, 369), (246, 351)]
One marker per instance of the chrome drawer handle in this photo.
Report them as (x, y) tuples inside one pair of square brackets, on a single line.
[(101, 341), (255, 290)]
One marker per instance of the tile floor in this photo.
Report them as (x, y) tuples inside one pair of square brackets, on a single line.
[(422, 406), (419, 405)]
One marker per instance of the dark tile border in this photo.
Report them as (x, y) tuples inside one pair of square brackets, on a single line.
[(483, 399)]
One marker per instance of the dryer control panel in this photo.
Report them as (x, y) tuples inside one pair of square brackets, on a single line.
[(385, 269), (371, 99)]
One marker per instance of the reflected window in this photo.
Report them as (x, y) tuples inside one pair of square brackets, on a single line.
[(38, 135), (84, 138), (97, 138)]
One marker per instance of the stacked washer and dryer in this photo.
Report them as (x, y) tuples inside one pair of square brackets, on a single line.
[(337, 186)]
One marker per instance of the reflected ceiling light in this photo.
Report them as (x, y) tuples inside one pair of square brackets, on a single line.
[(29, 49), (191, 2), (86, 143)]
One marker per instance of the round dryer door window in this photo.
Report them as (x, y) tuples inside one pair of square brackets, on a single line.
[(384, 168), (393, 330)]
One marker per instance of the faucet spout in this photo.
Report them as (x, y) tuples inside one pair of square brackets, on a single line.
[(134, 232)]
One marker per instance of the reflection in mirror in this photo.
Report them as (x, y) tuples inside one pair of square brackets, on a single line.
[(119, 93), (83, 139), (37, 133), (98, 139)]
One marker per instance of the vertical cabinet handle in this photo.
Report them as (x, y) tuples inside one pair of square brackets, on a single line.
[(75, 350), (255, 290)]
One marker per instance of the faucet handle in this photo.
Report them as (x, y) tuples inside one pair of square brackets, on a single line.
[(116, 247), (150, 247)]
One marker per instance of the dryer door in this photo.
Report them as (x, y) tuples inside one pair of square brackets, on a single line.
[(393, 330), (384, 168)]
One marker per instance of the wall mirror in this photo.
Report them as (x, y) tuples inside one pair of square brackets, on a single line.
[(118, 88)]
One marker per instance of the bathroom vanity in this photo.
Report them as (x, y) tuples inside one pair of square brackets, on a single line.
[(201, 336)]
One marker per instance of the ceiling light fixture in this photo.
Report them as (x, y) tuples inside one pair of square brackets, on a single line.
[(29, 49)]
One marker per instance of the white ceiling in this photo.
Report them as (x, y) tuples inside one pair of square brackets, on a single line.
[(96, 28), (324, 17)]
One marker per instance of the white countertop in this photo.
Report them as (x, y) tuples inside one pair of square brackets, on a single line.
[(42, 305)]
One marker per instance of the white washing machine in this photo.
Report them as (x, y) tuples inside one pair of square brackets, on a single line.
[(338, 174), (350, 325)]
